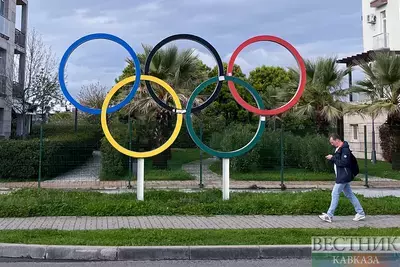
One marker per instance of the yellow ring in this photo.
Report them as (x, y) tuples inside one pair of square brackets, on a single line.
[(153, 152)]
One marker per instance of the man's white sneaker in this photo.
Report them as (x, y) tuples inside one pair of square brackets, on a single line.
[(325, 217), (359, 217)]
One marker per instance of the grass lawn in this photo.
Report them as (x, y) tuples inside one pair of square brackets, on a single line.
[(46, 202), (182, 237), (275, 175), (381, 169), (175, 172)]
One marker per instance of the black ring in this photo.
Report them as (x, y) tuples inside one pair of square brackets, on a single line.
[(198, 40)]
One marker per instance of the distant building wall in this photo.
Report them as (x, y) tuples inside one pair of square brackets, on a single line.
[(354, 134)]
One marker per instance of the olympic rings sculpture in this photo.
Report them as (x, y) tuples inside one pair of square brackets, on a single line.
[(189, 110)]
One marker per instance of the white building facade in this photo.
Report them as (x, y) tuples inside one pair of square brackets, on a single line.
[(12, 47), (381, 24), (381, 31)]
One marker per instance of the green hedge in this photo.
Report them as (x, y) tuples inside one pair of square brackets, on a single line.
[(299, 152), (113, 162), (59, 129), (184, 140), (19, 159)]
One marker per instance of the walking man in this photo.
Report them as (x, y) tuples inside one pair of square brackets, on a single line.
[(342, 160)]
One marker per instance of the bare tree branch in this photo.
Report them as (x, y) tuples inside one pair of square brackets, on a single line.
[(41, 88)]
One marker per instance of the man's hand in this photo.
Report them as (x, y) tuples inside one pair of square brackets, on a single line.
[(329, 157)]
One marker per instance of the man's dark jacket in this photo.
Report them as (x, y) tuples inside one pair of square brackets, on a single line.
[(342, 160)]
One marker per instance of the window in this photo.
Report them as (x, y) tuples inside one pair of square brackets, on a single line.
[(3, 58), (354, 129), (3, 7), (383, 22)]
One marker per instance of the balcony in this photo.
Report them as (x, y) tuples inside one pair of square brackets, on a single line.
[(19, 38), (378, 3), (18, 90), (3, 85), (381, 41), (22, 2), (4, 27)]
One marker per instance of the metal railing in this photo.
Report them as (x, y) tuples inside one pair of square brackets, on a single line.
[(4, 26), (19, 38), (381, 41)]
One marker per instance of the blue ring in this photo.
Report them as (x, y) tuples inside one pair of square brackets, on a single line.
[(83, 40)]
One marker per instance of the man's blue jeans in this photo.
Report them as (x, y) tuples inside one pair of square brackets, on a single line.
[(346, 189)]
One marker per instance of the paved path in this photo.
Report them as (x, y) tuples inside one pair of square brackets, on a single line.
[(194, 184), (372, 193), (194, 222), (376, 179), (208, 176), (89, 172)]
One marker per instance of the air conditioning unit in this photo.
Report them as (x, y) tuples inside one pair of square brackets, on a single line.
[(371, 19)]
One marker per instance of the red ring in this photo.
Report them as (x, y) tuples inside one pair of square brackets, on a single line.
[(300, 88)]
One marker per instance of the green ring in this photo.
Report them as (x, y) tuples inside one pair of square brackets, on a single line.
[(200, 144)]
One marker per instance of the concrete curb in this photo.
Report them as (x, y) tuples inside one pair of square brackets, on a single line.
[(92, 253)]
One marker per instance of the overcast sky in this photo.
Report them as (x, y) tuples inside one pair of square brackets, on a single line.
[(314, 27)]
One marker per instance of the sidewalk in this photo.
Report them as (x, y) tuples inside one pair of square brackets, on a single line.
[(116, 253), (102, 185), (194, 222)]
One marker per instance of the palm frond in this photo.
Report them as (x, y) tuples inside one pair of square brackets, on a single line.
[(384, 107), (331, 113), (302, 111)]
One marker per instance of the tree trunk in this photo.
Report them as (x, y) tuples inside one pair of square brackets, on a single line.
[(162, 122), (322, 124), (168, 131), (24, 132), (393, 122)]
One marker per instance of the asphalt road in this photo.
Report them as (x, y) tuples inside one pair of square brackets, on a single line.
[(242, 263)]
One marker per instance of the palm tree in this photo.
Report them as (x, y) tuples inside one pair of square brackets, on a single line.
[(182, 71), (382, 87), (367, 88), (320, 99)]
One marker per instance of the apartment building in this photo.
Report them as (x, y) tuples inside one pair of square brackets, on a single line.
[(12, 48), (380, 27), (381, 24)]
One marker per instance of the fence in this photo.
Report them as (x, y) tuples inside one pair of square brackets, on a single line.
[(60, 156)]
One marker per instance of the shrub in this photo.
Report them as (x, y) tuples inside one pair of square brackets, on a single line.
[(19, 159), (313, 152), (269, 150), (215, 141), (63, 153), (292, 150), (235, 137), (184, 140), (58, 129), (299, 152), (210, 123), (113, 162)]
